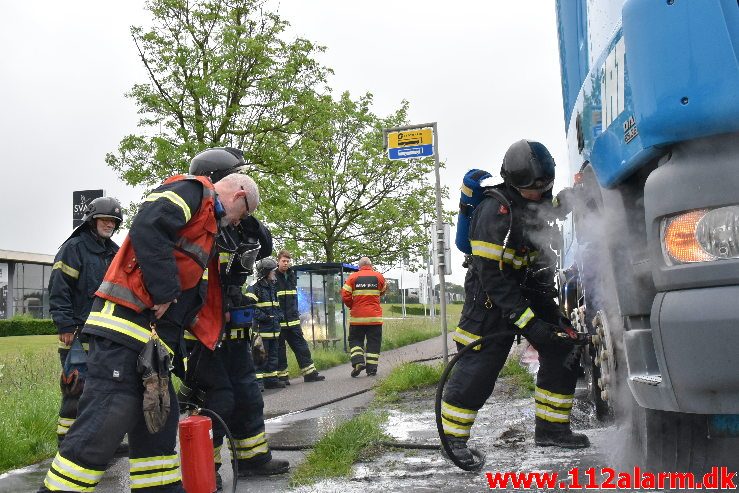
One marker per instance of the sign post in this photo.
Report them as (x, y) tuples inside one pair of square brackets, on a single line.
[(416, 141), (80, 199)]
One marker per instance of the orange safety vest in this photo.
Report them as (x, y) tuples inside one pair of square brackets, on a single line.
[(361, 293), (124, 282)]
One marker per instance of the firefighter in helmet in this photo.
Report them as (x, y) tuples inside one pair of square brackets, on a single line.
[(268, 317), (227, 376), (78, 270), (509, 289)]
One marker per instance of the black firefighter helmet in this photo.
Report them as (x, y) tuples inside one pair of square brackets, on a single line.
[(528, 165), (217, 162), (265, 266), (100, 208)]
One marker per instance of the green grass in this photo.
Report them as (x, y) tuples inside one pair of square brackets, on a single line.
[(24, 344), (339, 449), (408, 376), (322, 358), (520, 376), (29, 401)]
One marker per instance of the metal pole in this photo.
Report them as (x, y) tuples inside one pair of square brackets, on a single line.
[(440, 248)]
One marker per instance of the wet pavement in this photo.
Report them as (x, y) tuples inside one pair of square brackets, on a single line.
[(503, 432)]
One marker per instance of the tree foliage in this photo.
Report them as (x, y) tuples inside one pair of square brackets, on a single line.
[(343, 198), (220, 73)]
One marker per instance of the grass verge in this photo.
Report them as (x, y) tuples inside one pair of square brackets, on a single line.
[(335, 453), (519, 376), (29, 402), (408, 376)]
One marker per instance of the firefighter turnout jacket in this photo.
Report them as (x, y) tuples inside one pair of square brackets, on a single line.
[(267, 313), (361, 294), (503, 280), (78, 269), (287, 296), (163, 259)]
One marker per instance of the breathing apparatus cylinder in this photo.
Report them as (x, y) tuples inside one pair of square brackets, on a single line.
[(196, 454)]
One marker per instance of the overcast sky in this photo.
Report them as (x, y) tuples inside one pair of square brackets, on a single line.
[(487, 72)]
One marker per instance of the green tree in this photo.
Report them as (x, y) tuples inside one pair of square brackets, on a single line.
[(342, 198), (219, 74)]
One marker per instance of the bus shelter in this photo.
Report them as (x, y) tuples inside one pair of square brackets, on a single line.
[(323, 316)]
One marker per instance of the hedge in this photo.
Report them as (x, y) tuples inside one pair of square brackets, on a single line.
[(27, 327), (409, 309)]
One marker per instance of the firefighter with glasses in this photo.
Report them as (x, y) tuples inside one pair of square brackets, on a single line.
[(78, 270), (509, 289)]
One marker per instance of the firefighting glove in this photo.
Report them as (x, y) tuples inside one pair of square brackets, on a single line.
[(258, 351), (72, 378), (569, 336), (190, 397), (153, 365), (534, 329)]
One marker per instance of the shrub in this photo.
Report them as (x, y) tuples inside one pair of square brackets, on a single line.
[(22, 326)]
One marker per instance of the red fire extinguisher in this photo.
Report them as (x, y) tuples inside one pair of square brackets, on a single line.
[(196, 454)]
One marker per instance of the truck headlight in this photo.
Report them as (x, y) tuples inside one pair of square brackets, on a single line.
[(701, 235)]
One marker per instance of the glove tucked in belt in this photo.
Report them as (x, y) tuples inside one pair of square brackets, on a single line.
[(154, 365)]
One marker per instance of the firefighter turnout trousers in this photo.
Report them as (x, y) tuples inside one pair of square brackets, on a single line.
[(475, 374), (110, 407), (368, 355), (229, 380), (292, 335)]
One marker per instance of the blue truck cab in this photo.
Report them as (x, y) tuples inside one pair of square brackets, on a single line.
[(650, 260)]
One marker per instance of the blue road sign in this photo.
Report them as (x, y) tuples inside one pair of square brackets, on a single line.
[(408, 152)]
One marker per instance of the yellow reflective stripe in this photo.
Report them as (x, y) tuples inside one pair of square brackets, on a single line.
[(466, 190), (71, 470), (463, 337), (155, 479), (190, 337), (58, 483), (252, 296), (205, 275), (73, 273), (108, 307), (455, 429), (365, 319), (283, 373), (291, 323), (356, 350), (493, 251), (525, 318), (269, 335), (224, 258), (556, 400), (346, 287), (287, 292), (263, 304), (66, 421), (217, 454), (149, 463), (367, 292), (458, 413), (308, 369), (552, 415), (174, 198), (123, 326)]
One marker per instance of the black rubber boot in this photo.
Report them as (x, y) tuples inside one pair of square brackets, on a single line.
[(275, 466), (313, 377), (274, 384), (357, 370), (285, 380), (559, 435), (461, 451)]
